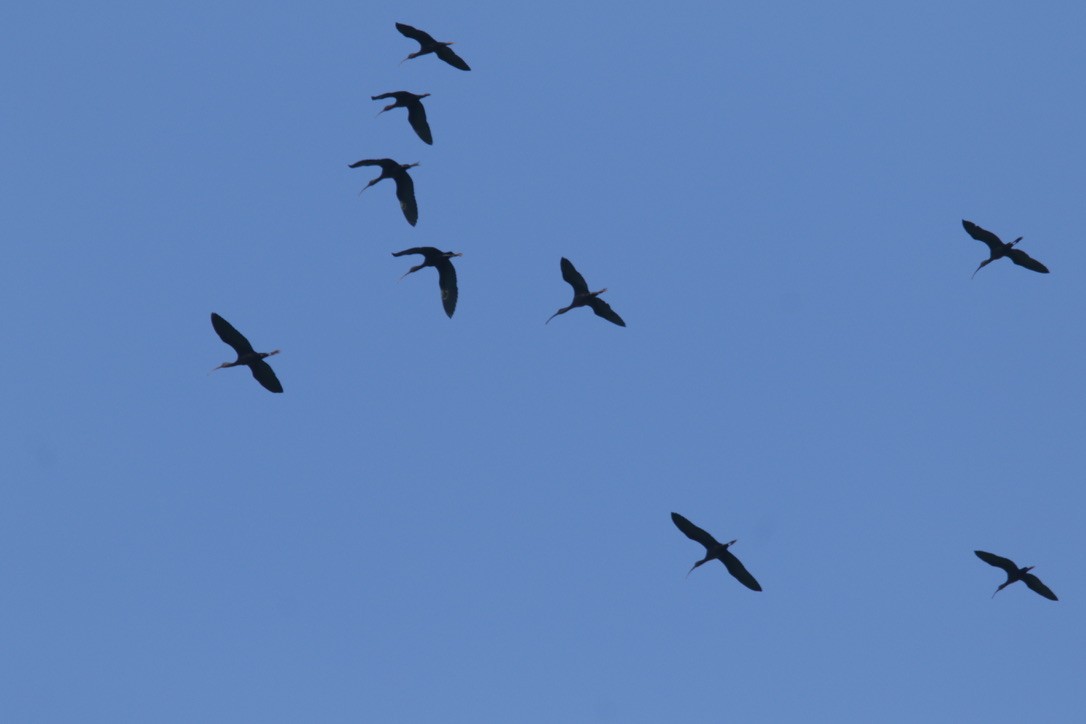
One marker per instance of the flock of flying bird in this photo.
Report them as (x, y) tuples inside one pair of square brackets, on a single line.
[(582, 297)]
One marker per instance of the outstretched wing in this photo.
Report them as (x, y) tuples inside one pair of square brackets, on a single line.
[(263, 373), (446, 278), (426, 251), (1021, 258), (993, 241), (693, 532), (405, 192), (415, 34), (416, 116), (998, 561), (573, 277), (387, 164), (446, 53), (1035, 583), (737, 570), (231, 336), (603, 309)]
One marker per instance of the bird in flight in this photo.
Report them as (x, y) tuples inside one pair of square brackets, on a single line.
[(405, 187), (715, 551), (1014, 573), (584, 298), (446, 274), (997, 249), (428, 45), (416, 114), (261, 370)]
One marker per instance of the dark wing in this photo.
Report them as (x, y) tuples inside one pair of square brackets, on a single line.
[(693, 532), (387, 164), (737, 570), (231, 336), (422, 38), (993, 242), (262, 371), (999, 562), (416, 116), (446, 278), (405, 192), (446, 53), (1035, 583), (426, 251), (573, 277), (603, 309), (1021, 258)]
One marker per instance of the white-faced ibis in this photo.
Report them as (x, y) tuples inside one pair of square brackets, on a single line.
[(428, 45), (1014, 573), (997, 249), (584, 298), (446, 274), (715, 551), (261, 370), (416, 114), (405, 187)]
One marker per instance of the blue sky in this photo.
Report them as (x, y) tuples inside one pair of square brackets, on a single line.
[(468, 520)]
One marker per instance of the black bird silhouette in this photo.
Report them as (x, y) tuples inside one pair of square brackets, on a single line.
[(446, 274), (1014, 573), (428, 45), (582, 297), (261, 370), (416, 114), (715, 550), (405, 187), (998, 249)]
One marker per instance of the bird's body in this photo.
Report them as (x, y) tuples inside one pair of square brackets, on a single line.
[(584, 298), (997, 249), (1014, 574), (427, 44), (405, 187), (261, 370), (715, 551), (446, 274), (416, 114)]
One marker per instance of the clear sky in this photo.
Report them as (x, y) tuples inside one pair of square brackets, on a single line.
[(467, 520)]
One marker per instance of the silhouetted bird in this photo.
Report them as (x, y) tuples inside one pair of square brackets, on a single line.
[(584, 298), (715, 551), (405, 187), (261, 370), (416, 114), (1014, 573), (428, 45), (446, 274), (998, 249)]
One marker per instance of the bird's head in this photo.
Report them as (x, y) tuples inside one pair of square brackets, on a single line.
[(731, 542), (1027, 569), (451, 254), (406, 166), (424, 95), (1016, 241)]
